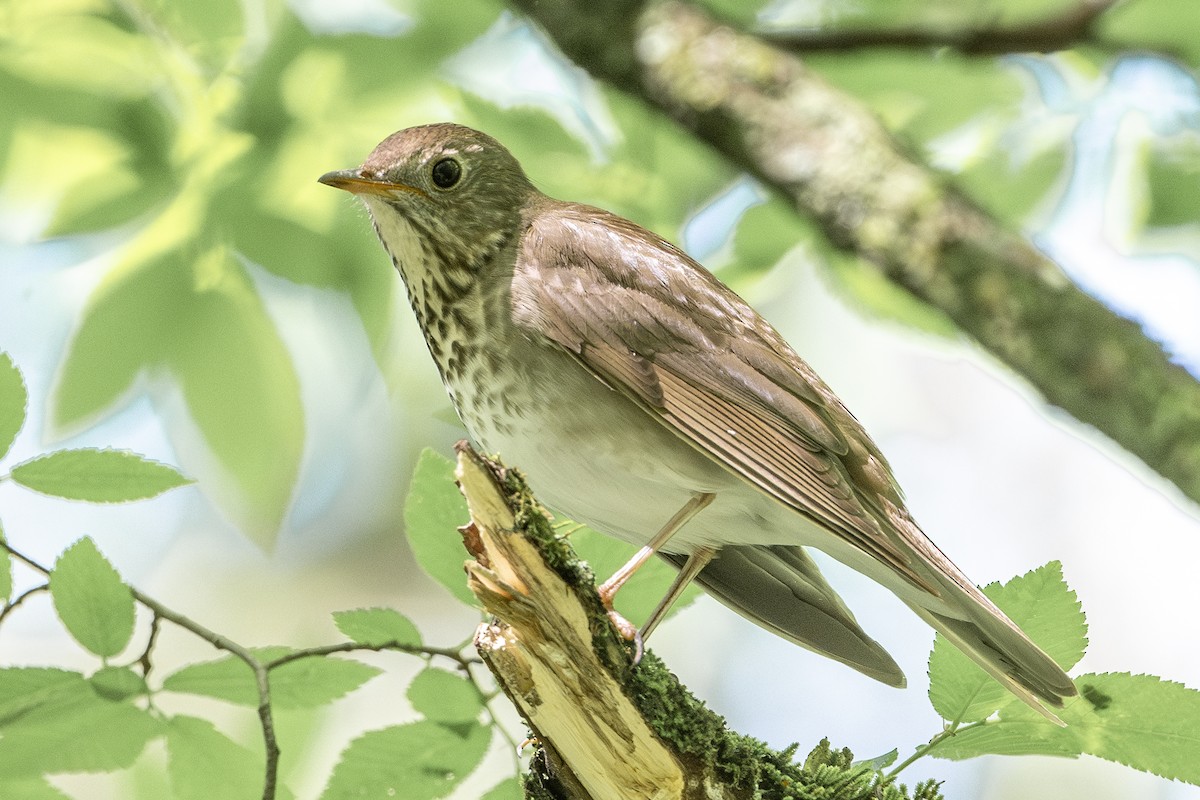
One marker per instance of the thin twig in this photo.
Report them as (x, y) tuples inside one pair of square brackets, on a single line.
[(514, 747), (348, 647), (144, 660), (456, 655), (220, 642), (261, 680), (1072, 26), (29, 562), (21, 598)]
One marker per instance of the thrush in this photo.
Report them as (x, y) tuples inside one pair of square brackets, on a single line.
[(642, 396)]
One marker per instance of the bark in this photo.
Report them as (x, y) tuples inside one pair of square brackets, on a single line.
[(605, 728), (761, 108), (1060, 29)]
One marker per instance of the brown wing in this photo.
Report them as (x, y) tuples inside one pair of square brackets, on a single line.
[(664, 331), (660, 328)]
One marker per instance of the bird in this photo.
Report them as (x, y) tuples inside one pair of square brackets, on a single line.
[(640, 395)]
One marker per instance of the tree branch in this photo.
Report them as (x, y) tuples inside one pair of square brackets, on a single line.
[(604, 727), (1069, 27), (831, 157)]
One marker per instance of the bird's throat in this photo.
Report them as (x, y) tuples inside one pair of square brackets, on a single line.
[(448, 302)]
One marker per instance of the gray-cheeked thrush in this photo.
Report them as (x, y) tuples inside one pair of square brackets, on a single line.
[(639, 394)]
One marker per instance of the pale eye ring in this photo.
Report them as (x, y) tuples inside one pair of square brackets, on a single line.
[(446, 173)]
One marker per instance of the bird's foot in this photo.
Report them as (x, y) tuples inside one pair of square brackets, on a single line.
[(626, 629)]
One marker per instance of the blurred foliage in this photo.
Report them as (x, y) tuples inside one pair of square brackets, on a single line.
[(183, 139), (968, 115), (1171, 170), (1162, 26)]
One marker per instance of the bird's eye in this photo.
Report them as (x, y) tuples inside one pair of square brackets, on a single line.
[(446, 173)]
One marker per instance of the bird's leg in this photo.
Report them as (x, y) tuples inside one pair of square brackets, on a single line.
[(608, 589), (697, 561)]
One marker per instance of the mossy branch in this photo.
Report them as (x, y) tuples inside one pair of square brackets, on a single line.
[(605, 728)]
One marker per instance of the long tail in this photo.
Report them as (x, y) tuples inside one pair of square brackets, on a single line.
[(983, 632), (782, 589), (972, 622)]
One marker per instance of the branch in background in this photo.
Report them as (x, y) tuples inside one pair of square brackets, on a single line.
[(1069, 27), (820, 147)]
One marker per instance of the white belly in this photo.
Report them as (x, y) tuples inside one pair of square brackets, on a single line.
[(592, 455)]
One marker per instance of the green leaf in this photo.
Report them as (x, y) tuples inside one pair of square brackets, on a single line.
[(211, 31), (508, 789), (376, 627), (118, 683), (23, 689), (864, 286), (205, 763), (1164, 26), (766, 232), (433, 511), (95, 606), (1141, 721), (106, 200), (1011, 189), (1173, 181), (304, 683), (76, 170), (444, 697), (199, 326), (1042, 604), (880, 762), (30, 789), (227, 678), (68, 51), (48, 739), (418, 761), (317, 681), (659, 174), (6, 577), (98, 476), (13, 400)]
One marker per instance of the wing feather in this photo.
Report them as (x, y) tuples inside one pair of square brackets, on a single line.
[(706, 365), (661, 329)]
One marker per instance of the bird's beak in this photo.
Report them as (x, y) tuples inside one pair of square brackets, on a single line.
[(353, 181)]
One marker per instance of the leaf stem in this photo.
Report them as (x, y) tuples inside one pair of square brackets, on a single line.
[(949, 731)]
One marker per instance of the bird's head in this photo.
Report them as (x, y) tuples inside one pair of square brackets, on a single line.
[(457, 191)]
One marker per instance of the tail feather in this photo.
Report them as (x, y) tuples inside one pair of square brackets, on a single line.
[(782, 589), (984, 633), (962, 613)]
